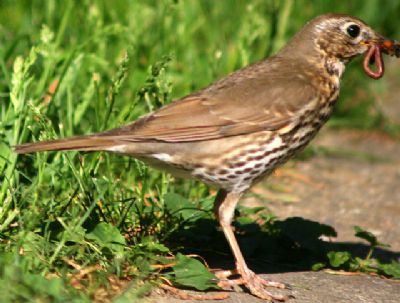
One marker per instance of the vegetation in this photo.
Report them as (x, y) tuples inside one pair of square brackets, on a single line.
[(79, 227)]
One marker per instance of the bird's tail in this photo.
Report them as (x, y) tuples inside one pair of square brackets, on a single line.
[(84, 143)]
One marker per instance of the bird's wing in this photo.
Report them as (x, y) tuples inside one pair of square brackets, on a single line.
[(239, 104)]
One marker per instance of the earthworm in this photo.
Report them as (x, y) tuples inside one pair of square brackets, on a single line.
[(375, 51)]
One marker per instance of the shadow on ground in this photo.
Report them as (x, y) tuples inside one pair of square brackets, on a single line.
[(290, 245)]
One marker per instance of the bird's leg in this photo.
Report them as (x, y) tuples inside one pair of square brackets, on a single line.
[(225, 204)]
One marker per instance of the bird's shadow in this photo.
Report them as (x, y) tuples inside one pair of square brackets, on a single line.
[(290, 245)]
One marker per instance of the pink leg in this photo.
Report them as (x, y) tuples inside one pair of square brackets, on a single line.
[(225, 204)]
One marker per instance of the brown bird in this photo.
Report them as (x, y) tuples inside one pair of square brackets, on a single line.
[(239, 129)]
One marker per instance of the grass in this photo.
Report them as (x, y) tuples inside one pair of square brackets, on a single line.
[(80, 227)]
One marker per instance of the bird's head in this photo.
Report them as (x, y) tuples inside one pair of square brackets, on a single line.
[(344, 37)]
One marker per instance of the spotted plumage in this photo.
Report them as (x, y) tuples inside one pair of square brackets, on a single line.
[(238, 130)]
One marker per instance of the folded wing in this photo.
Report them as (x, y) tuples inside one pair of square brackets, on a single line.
[(252, 101)]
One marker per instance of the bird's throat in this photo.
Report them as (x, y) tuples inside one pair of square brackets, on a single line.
[(334, 67)]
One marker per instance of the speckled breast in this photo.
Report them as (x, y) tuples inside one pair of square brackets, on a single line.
[(262, 152)]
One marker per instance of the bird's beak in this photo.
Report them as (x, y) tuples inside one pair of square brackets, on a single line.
[(376, 46)]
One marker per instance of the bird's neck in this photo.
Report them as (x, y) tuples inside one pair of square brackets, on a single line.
[(324, 69), (331, 71), (307, 50), (334, 66)]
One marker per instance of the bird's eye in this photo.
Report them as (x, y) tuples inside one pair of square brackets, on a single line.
[(353, 30)]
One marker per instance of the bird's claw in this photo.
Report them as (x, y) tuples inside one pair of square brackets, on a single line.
[(255, 284)]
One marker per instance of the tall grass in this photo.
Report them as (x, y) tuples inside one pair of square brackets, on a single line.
[(76, 67)]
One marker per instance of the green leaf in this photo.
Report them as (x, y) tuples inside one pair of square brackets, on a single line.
[(391, 269), (107, 235), (192, 273), (338, 258), (251, 210), (318, 266), (177, 204), (154, 247), (245, 220), (365, 265), (33, 243), (76, 234), (356, 264), (51, 287)]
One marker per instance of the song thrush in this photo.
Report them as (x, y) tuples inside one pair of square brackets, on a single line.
[(239, 129)]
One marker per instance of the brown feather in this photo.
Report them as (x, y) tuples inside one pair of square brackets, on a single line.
[(84, 143), (249, 100)]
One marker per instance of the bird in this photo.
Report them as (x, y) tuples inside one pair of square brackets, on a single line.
[(238, 130)]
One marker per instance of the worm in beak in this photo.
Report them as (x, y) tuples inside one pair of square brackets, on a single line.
[(374, 56)]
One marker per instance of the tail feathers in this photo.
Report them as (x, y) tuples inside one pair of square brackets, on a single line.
[(87, 143)]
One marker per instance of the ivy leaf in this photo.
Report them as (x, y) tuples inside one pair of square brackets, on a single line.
[(192, 273), (75, 234), (391, 269), (179, 205), (338, 258), (154, 247), (107, 235), (318, 266)]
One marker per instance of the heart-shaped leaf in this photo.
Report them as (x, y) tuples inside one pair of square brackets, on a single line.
[(192, 273)]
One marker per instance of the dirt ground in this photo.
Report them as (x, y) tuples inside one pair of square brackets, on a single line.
[(357, 183), (348, 190)]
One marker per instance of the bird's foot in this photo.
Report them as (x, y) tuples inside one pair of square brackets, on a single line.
[(255, 284)]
